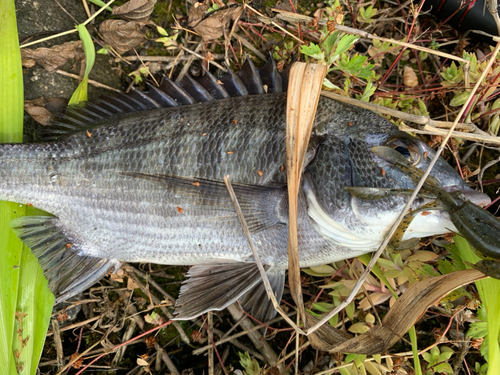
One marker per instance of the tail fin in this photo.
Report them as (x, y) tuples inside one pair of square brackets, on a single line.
[(67, 271)]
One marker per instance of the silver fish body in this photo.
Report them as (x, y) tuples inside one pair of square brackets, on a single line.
[(147, 187)]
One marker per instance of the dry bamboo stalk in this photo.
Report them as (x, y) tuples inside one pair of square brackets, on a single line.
[(304, 90), (417, 119)]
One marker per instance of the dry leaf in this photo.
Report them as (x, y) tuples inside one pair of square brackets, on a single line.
[(304, 89), (131, 284), (213, 25), (142, 362), (135, 10), (122, 35), (407, 310), (52, 58), (36, 109), (41, 110)]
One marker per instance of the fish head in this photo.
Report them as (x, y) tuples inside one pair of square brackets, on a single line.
[(419, 154), (360, 223)]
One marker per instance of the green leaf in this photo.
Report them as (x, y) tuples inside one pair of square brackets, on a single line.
[(161, 31), (477, 330), (346, 42), (323, 306), (459, 99), (488, 291), (80, 94), (22, 286), (327, 83), (100, 4), (313, 51)]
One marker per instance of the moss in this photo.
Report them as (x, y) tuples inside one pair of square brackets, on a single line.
[(161, 15)]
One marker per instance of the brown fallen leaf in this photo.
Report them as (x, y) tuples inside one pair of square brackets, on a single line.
[(122, 35), (212, 25), (42, 110), (52, 58), (135, 10), (405, 312)]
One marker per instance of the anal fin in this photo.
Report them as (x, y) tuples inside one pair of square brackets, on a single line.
[(67, 271), (255, 301), (214, 287)]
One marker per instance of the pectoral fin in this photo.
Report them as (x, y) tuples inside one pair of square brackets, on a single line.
[(262, 206), (214, 287), (67, 271)]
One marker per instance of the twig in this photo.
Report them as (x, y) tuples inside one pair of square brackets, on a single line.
[(468, 136), (69, 31), (86, 6), (258, 262), (417, 119), (216, 56), (266, 19), (58, 342), (255, 335), (151, 281), (76, 325), (120, 345), (295, 18), (166, 359), (239, 334), (91, 81), (203, 58), (156, 301), (239, 345), (210, 334), (249, 45)]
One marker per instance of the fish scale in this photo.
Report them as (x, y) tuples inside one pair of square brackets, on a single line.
[(147, 186)]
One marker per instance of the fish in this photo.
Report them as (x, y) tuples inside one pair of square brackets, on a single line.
[(139, 178)]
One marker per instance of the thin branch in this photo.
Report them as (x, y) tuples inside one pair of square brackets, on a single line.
[(262, 271)]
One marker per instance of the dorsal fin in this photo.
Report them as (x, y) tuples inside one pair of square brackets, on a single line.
[(197, 91), (251, 78), (180, 95), (210, 83), (249, 81), (233, 84), (271, 77)]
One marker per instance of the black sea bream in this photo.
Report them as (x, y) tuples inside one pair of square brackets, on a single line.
[(134, 179)]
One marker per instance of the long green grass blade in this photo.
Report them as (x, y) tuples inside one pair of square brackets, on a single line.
[(80, 94), (23, 288), (489, 291)]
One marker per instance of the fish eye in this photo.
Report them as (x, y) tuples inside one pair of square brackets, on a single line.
[(403, 151), (407, 148)]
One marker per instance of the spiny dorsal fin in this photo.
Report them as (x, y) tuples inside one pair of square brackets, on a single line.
[(249, 81), (250, 77)]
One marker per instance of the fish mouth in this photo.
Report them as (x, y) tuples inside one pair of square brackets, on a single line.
[(476, 197)]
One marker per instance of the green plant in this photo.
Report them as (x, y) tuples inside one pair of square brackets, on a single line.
[(25, 300), (490, 298), (249, 364), (437, 360), (366, 14)]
